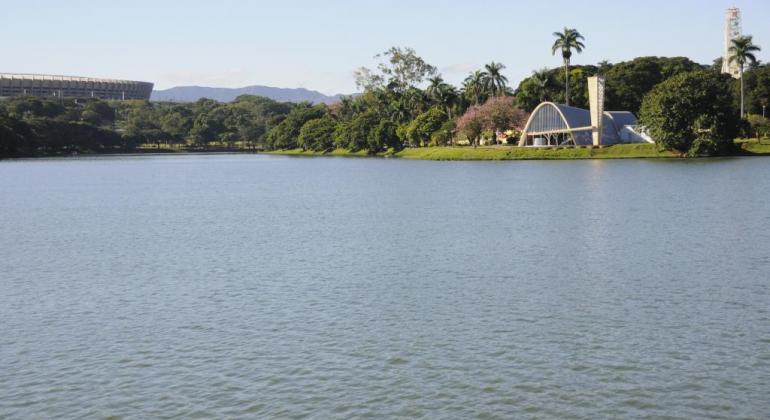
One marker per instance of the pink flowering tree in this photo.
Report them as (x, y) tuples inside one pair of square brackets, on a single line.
[(497, 114)]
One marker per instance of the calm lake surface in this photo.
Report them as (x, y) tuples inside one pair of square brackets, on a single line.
[(268, 286)]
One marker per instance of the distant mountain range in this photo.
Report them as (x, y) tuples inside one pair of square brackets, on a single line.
[(193, 93)]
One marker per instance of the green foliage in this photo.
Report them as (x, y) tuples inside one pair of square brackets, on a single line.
[(353, 135), (401, 69), (422, 128), (628, 82), (760, 126), (692, 114), (474, 87), (382, 137), (14, 137), (359, 129), (285, 134), (532, 91), (317, 134), (565, 42), (445, 134), (757, 89), (33, 126), (30, 107)]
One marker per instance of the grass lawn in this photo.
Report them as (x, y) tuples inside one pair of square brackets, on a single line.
[(618, 151), (753, 147)]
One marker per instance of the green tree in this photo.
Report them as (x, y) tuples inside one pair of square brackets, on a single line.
[(422, 128), (176, 125), (98, 112), (540, 79), (202, 132), (565, 42), (530, 92), (473, 87), (15, 138), (140, 123), (629, 81), (382, 137), (285, 134), (692, 114), (401, 69), (741, 52), (494, 81), (354, 134), (442, 94), (317, 134), (435, 83), (445, 134)]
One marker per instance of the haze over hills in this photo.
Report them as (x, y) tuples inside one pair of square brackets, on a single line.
[(193, 93)]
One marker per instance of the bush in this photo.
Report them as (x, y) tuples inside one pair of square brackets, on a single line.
[(692, 114)]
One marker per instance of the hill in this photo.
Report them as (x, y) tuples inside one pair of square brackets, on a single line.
[(193, 93)]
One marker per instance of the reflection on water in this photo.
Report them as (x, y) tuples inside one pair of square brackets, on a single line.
[(254, 286)]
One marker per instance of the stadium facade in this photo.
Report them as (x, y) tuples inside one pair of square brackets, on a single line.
[(43, 85)]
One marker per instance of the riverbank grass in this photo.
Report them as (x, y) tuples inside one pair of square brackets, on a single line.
[(619, 151)]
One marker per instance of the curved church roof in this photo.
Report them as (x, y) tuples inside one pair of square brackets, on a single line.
[(621, 118), (550, 117)]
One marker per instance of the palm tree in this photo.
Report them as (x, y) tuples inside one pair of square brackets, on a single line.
[(474, 86), (434, 84), (741, 52), (540, 78), (494, 81), (442, 93), (567, 41), (446, 95)]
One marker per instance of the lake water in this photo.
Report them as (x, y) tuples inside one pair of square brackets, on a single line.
[(266, 286)]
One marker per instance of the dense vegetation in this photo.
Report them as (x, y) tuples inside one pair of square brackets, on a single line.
[(404, 104), (692, 114)]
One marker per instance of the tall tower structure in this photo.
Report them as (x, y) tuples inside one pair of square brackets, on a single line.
[(596, 107), (732, 31)]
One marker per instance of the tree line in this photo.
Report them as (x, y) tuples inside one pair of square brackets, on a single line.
[(404, 103)]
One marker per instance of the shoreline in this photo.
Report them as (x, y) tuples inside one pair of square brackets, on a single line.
[(446, 153), (453, 153)]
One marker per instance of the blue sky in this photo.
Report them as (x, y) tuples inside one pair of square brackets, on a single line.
[(318, 44)]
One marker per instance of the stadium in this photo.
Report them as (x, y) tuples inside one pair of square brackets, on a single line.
[(12, 84)]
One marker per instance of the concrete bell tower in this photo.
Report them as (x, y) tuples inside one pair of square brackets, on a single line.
[(596, 105)]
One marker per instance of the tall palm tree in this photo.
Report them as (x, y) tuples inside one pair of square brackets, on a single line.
[(567, 41), (494, 81), (741, 52), (434, 84), (442, 93), (541, 79), (474, 86), (446, 96)]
